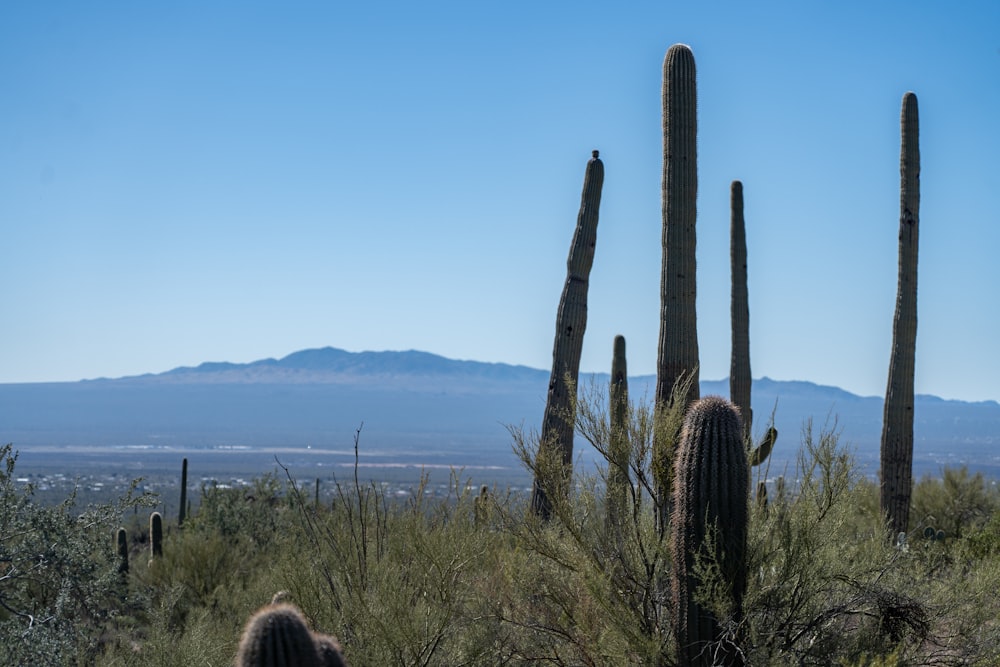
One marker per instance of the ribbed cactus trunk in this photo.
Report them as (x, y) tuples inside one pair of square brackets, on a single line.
[(571, 321), (155, 535), (897, 422), (184, 493), (121, 548), (709, 520), (619, 448), (739, 364), (677, 353)]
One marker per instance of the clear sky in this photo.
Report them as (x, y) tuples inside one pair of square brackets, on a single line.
[(227, 181)]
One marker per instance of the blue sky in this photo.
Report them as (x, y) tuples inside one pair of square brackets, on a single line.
[(190, 181)]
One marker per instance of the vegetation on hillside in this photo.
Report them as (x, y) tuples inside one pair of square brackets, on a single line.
[(477, 579)]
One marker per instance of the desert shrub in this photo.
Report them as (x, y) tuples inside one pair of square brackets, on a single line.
[(956, 502), (60, 589)]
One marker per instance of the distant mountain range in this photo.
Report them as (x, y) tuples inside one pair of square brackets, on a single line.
[(419, 406)]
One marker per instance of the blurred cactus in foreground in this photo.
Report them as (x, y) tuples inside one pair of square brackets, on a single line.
[(709, 527)]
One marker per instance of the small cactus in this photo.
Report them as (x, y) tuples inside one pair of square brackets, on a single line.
[(929, 532), (762, 495), (330, 652), (481, 507), (184, 493), (711, 498), (121, 548), (619, 447), (155, 535), (278, 636)]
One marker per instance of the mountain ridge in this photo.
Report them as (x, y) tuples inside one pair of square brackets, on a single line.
[(413, 403)]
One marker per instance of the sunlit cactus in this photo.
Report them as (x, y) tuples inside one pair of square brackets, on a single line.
[(897, 422), (556, 443), (709, 521), (677, 352)]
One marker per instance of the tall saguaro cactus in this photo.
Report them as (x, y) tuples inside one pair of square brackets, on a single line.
[(711, 498), (556, 445), (620, 449), (897, 421), (739, 365), (677, 353)]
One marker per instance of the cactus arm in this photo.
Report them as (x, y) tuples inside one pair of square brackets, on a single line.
[(763, 450)]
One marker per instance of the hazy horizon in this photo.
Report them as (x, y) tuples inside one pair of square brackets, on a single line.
[(231, 182)]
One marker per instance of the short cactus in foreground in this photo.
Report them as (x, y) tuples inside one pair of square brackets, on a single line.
[(278, 636), (709, 521), (155, 535)]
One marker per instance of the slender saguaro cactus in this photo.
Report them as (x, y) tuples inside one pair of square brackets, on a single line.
[(155, 535), (619, 447), (897, 422), (184, 493), (571, 322), (709, 520), (121, 547), (677, 353), (739, 365)]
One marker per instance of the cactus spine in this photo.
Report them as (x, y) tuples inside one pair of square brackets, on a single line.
[(739, 365), (711, 498), (571, 321), (184, 493), (121, 548), (677, 352), (619, 449), (277, 636), (897, 422), (155, 535)]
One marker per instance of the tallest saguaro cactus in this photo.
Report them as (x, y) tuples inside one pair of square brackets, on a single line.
[(677, 353), (555, 450), (897, 422)]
